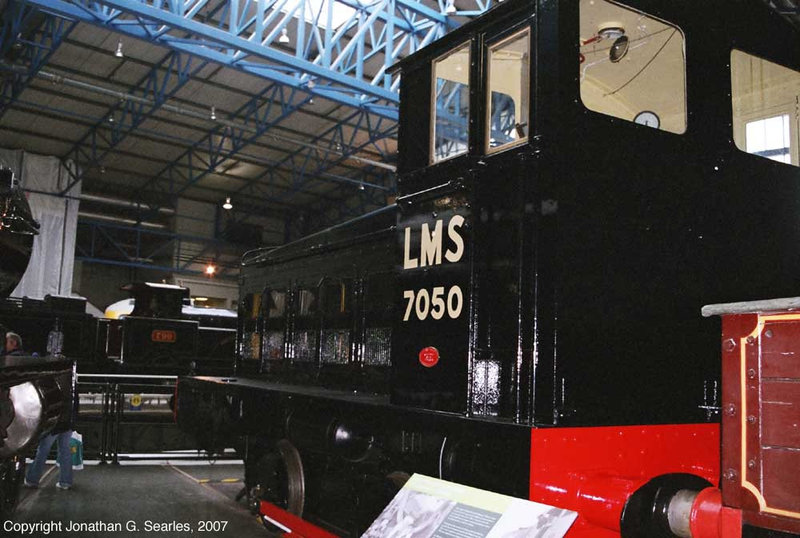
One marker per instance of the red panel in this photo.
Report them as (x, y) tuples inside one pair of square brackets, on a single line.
[(299, 528), (780, 405), (778, 351), (761, 405), (782, 494), (594, 470)]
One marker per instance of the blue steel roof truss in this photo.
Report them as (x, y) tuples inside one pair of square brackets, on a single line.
[(244, 34), (162, 82), (35, 47)]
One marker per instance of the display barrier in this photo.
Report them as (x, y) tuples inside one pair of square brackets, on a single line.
[(131, 417)]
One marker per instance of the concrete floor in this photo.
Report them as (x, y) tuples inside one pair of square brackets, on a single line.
[(130, 499)]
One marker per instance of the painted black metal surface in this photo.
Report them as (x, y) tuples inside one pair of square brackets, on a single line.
[(556, 282)]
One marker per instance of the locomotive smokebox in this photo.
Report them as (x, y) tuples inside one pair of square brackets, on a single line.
[(17, 228)]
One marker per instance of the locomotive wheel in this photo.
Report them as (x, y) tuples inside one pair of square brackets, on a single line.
[(278, 478), (397, 480)]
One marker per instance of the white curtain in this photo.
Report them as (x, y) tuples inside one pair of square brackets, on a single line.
[(53, 258)]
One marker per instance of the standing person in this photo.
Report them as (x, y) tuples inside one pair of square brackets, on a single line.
[(14, 344), (45, 444), (64, 460)]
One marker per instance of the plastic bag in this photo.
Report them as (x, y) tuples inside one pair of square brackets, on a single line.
[(76, 450)]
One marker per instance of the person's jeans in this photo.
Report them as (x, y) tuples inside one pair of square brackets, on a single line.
[(64, 458)]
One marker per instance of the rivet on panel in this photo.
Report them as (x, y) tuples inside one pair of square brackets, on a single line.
[(751, 373), (750, 339), (730, 410), (751, 464), (730, 474), (768, 333), (751, 419), (729, 345)]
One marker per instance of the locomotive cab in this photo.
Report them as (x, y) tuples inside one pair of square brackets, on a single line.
[(571, 177)]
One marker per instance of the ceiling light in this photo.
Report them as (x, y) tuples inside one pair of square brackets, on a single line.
[(361, 186), (227, 204), (119, 53), (450, 8), (284, 38), (213, 113), (211, 269), (111, 118), (619, 49)]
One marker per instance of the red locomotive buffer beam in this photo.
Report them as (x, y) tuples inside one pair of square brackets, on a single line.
[(617, 477), (760, 421), (291, 525)]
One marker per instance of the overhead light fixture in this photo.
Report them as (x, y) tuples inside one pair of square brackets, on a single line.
[(450, 8), (119, 53), (227, 204), (211, 269), (361, 186), (619, 49), (111, 118), (616, 32), (284, 38), (213, 113)]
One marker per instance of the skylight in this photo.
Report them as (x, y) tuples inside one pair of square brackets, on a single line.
[(316, 12)]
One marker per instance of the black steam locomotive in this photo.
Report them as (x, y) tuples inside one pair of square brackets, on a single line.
[(36, 393), (576, 180), (159, 336)]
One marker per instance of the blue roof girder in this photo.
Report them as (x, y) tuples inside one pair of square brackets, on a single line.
[(152, 21), (333, 136), (35, 51), (257, 112), (156, 86)]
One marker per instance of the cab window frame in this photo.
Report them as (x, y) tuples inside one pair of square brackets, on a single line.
[(492, 43), (740, 117), (605, 39), (467, 45)]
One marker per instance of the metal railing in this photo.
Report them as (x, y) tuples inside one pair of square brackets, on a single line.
[(130, 416)]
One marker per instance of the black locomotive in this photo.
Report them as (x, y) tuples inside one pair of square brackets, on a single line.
[(36, 393), (158, 337), (576, 180)]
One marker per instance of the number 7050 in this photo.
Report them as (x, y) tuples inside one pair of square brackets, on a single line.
[(434, 304)]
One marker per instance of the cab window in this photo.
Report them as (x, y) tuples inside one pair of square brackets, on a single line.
[(450, 102), (507, 98), (764, 96), (632, 66)]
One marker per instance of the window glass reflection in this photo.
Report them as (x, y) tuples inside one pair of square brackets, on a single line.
[(451, 104)]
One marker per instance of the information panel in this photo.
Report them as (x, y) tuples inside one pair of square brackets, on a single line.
[(430, 508)]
